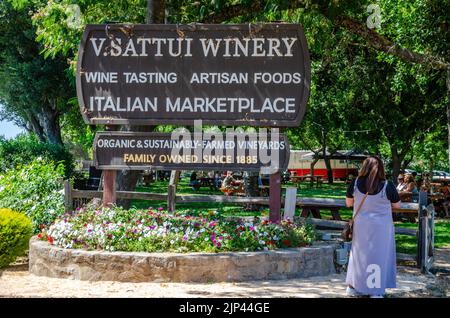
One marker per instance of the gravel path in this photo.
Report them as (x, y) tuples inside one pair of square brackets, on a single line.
[(17, 282)]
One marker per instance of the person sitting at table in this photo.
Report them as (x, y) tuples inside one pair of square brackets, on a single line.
[(217, 180), (401, 186), (230, 184), (446, 194), (414, 175), (426, 182), (194, 182), (409, 193), (411, 185), (260, 182)]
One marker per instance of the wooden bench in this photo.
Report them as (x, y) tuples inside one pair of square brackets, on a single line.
[(317, 180), (314, 205)]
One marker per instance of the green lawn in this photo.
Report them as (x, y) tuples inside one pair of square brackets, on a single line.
[(405, 244)]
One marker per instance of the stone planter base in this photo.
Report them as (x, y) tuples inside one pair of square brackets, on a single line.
[(51, 261)]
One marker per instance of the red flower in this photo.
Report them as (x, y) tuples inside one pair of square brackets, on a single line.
[(41, 226), (287, 242), (50, 239), (39, 236)]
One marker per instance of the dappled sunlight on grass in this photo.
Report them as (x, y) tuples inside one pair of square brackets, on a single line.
[(405, 244), (408, 244)]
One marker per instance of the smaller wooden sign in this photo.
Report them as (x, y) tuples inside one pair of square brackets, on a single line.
[(186, 151)]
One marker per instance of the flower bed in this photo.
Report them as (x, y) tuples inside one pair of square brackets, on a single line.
[(116, 229)]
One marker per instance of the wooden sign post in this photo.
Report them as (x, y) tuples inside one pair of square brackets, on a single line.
[(172, 190), (275, 197), (109, 188), (109, 183)]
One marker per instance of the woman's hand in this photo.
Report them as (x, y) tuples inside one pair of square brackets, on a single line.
[(396, 205)]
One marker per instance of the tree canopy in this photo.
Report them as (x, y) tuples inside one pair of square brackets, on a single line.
[(380, 89)]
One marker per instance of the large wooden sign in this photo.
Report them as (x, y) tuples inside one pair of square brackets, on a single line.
[(257, 75), (214, 151)]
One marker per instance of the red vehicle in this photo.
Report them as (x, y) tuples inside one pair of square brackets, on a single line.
[(300, 165)]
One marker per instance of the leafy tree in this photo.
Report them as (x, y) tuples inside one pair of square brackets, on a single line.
[(388, 83), (26, 147), (33, 90)]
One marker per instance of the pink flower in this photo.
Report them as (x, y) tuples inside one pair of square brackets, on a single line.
[(160, 209)]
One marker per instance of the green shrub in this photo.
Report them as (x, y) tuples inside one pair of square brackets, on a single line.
[(35, 189), (15, 232), (24, 148)]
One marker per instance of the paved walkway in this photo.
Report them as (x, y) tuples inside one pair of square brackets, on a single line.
[(442, 259), (17, 282)]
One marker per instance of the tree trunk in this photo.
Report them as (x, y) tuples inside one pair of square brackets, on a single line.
[(127, 179), (431, 167), (396, 164), (448, 112), (326, 158), (50, 125), (329, 170), (156, 12), (311, 169), (34, 126)]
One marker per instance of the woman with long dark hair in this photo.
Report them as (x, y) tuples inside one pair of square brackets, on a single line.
[(372, 263)]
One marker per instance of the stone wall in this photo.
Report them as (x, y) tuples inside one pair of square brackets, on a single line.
[(52, 261)]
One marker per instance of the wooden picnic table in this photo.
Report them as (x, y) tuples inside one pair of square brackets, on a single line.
[(314, 205), (407, 196), (314, 179)]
